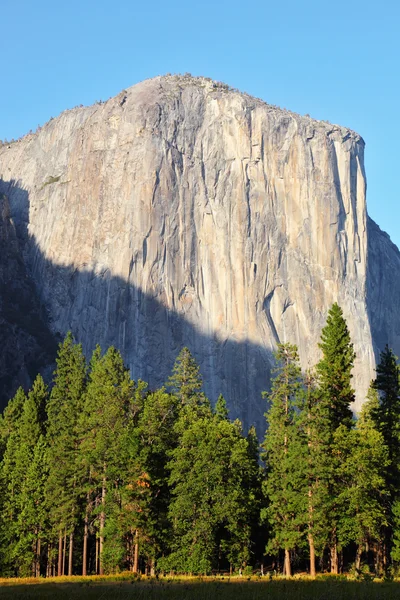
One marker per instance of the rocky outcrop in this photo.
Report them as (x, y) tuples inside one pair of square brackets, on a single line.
[(27, 346), (383, 289), (183, 212)]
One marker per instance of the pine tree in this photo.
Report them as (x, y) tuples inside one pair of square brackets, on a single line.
[(221, 409), (109, 400), (361, 504), (64, 484), (334, 369), (32, 519), (312, 423), (336, 395), (211, 504), (10, 417), (157, 437), (185, 381), (18, 457), (386, 416), (285, 484)]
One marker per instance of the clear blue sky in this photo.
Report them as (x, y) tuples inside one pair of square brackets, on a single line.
[(336, 60)]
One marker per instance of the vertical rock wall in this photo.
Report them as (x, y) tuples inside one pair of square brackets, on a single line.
[(184, 213)]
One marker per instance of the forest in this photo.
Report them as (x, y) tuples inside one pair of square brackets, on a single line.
[(100, 474)]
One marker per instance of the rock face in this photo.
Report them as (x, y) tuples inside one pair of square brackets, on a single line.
[(27, 346), (184, 213)]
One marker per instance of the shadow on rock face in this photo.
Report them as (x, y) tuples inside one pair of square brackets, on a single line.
[(27, 345), (104, 309), (383, 289), (41, 301)]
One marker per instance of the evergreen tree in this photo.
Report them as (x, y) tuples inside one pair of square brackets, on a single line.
[(109, 400), (285, 484), (10, 417), (64, 484), (334, 369), (211, 504), (157, 437), (185, 381), (221, 409), (18, 458), (361, 504), (312, 423), (333, 410), (32, 521), (386, 416)]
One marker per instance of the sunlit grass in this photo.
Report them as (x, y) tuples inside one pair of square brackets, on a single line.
[(125, 587)]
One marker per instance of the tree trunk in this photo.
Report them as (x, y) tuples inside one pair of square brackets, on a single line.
[(71, 547), (102, 523), (136, 555), (38, 550), (59, 572), (312, 555), (85, 544), (334, 559), (97, 556), (287, 571), (152, 567), (48, 566), (358, 557), (64, 553)]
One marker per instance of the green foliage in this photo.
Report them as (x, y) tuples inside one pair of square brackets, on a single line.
[(386, 414), (285, 484), (211, 498), (334, 369), (10, 417), (221, 410), (185, 381), (64, 483), (20, 457), (163, 475)]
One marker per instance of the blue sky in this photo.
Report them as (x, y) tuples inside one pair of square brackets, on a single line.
[(337, 61)]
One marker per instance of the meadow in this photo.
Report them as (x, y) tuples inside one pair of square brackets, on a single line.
[(127, 588)]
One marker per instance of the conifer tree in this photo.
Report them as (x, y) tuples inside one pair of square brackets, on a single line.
[(32, 519), (312, 418), (108, 404), (386, 416), (64, 484), (157, 437), (211, 505), (17, 460), (333, 409), (221, 409), (334, 368), (361, 504), (10, 418), (185, 381), (285, 484)]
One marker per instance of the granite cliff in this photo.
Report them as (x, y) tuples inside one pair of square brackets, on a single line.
[(184, 213), (27, 346)]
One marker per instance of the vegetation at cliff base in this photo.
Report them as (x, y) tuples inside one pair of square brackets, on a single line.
[(101, 475)]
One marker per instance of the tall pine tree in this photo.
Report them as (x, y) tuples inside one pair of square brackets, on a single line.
[(285, 484), (334, 372)]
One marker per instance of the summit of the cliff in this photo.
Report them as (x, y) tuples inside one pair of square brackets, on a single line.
[(164, 88)]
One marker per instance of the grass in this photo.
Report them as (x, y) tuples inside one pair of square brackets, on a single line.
[(125, 587)]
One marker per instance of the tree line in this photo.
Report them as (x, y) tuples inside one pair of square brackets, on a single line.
[(99, 473)]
